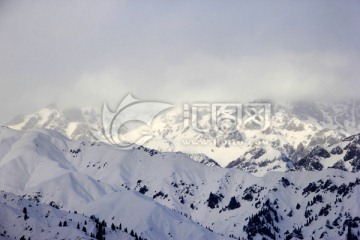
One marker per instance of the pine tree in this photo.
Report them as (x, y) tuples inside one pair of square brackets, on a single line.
[(84, 229), (104, 223), (60, 224), (78, 226), (65, 224), (100, 232), (349, 235), (99, 235), (113, 227), (25, 214)]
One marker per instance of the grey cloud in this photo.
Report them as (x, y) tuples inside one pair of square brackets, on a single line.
[(87, 52)]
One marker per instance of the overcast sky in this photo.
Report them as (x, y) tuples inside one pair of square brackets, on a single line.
[(78, 53)]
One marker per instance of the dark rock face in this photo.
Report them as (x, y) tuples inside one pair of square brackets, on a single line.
[(339, 165), (235, 163), (309, 164), (258, 153), (311, 161), (356, 165), (285, 182), (320, 152), (354, 139), (336, 150), (248, 197), (352, 153)]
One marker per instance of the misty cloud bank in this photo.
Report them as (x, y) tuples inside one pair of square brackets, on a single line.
[(87, 52)]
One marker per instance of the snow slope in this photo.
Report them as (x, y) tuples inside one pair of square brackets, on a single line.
[(167, 195), (42, 221)]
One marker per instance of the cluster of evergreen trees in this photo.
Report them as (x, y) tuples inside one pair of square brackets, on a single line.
[(101, 226), (263, 222), (101, 232)]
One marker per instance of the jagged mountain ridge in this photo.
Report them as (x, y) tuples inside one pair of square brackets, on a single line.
[(163, 195), (295, 130), (344, 155)]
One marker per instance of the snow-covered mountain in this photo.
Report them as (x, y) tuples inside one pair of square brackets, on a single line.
[(167, 195), (73, 123), (46, 166), (22, 218), (295, 130), (345, 155)]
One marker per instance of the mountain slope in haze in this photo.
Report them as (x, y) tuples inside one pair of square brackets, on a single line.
[(73, 123), (295, 130), (166, 195)]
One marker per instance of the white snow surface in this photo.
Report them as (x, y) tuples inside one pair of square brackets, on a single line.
[(166, 195)]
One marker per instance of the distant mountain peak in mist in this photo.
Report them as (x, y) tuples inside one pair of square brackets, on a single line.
[(295, 129)]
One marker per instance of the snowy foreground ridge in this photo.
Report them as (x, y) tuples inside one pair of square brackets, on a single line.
[(47, 179)]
